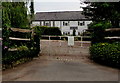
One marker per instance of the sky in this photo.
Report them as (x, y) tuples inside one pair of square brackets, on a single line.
[(57, 5)]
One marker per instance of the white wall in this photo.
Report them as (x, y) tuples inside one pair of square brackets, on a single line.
[(75, 24), (35, 23), (66, 29)]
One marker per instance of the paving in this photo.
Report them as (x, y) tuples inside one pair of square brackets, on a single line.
[(60, 62)]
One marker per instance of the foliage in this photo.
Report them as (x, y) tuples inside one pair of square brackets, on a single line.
[(102, 24), (32, 9), (14, 14), (22, 48), (97, 37), (98, 28), (39, 30), (21, 55), (104, 11), (106, 53), (44, 30), (52, 31)]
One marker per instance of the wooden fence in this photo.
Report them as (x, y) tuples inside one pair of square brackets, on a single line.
[(20, 39), (112, 30)]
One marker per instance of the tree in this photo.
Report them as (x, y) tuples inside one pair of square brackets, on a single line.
[(14, 14), (32, 9), (104, 11)]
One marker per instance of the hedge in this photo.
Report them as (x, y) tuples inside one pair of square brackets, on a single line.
[(99, 31), (44, 30), (106, 53), (17, 52)]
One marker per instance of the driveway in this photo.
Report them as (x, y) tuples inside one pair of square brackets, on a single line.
[(59, 62)]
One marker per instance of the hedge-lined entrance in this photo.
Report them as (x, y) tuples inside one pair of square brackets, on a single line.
[(21, 46)]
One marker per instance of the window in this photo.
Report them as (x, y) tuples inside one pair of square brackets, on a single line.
[(65, 23), (81, 23), (53, 23), (46, 23), (66, 33), (63, 33), (72, 28)]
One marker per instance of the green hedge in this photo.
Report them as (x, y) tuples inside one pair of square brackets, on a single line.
[(26, 50), (44, 30), (106, 53), (13, 58), (99, 31)]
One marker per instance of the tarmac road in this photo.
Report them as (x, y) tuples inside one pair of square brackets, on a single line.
[(61, 63)]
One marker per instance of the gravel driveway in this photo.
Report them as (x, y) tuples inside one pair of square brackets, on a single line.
[(59, 62)]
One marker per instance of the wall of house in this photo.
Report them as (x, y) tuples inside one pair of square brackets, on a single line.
[(66, 27), (35, 23)]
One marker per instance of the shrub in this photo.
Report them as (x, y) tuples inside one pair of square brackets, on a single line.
[(99, 31), (19, 56), (102, 24), (106, 53), (44, 30), (21, 48), (26, 50), (97, 37), (13, 56)]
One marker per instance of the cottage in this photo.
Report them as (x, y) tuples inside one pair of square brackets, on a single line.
[(67, 21)]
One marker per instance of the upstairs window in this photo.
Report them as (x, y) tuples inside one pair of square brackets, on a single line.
[(65, 23), (81, 23), (46, 23)]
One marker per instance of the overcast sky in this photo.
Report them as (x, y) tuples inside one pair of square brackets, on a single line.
[(57, 5)]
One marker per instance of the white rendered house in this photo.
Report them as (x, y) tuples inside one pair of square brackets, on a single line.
[(67, 21)]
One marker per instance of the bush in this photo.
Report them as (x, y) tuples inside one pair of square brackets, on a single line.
[(97, 37), (106, 53), (19, 56), (99, 31), (22, 51), (103, 24), (21, 48), (51, 31), (44, 30)]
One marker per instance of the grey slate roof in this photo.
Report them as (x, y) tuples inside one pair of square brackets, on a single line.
[(56, 16)]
